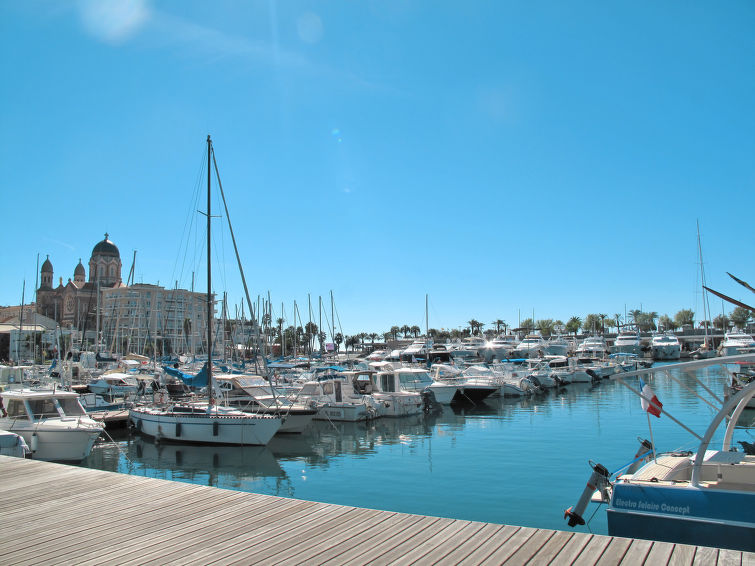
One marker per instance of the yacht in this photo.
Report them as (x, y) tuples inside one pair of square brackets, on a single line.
[(558, 346), (533, 346), (736, 342), (592, 347), (500, 348), (52, 423), (665, 346), (627, 342), (392, 398), (468, 348)]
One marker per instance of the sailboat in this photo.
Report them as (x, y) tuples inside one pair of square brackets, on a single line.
[(205, 422), (706, 350)]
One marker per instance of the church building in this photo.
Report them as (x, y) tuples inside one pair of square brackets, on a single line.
[(74, 304)]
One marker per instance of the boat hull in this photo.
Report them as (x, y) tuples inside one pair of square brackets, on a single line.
[(53, 443), (686, 515), (667, 352), (201, 428), (345, 412)]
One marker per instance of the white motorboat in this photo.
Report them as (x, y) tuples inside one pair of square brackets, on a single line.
[(558, 346), (665, 346), (52, 423), (501, 347), (468, 348), (253, 394), (114, 384), (736, 342), (392, 398), (705, 498), (627, 342), (336, 398), (592, 347), (533, 346), (12, 444)]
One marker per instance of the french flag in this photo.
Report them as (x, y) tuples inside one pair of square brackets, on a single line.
[(653, 406)]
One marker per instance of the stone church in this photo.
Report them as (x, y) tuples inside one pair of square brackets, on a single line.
[(74, 304)]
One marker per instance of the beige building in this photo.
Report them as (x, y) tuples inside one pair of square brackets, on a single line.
[(144, 318)]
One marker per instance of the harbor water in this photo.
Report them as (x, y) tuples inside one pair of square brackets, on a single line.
[(513, 461)]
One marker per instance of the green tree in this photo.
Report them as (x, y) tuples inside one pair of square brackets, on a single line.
[(592, 323), (546, 326), (394, 332), (338, 340), (665, 323), (475, 326), (685, 317), (528, 325), (573, 325), (351, 341), (498, 324), (721, 322), (740, 316), (405, 330), (415, 330)]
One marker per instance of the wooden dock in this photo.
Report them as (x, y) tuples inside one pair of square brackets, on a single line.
[(58, 514)]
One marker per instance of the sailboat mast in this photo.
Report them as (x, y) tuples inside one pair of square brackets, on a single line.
[(209, 277)]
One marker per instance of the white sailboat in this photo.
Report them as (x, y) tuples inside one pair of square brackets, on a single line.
[(205, 422)]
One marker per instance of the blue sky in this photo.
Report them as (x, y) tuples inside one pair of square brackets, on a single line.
[(503, 158)]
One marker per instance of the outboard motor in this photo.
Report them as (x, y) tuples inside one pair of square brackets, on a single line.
[(642, 456), (598, 482), (595, 377)]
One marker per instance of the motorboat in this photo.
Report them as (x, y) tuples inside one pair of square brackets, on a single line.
[(336, 398), (500, 348), (627, 342), (414, 352), (736, 342), (665, 346), (558, 345), (52, 422), (418, 380), (395, 390), (469, 347), (253, 394), (705, 498), (592, 347), (12, 444), (114, 384), (533, 346)]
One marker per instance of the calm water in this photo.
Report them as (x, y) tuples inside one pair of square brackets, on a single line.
[(519, 462)]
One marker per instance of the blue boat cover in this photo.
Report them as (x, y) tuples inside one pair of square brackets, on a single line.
[(198, 381)]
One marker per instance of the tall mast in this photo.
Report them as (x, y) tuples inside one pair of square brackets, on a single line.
[(209, 277), (702, 281)]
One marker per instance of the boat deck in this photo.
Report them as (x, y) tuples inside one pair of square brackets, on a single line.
[(57, 514)]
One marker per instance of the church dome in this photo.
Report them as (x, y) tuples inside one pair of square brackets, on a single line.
[(47, 266), (106, 248), (79, 271)]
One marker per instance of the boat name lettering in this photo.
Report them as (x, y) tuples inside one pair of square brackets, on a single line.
[(650, 506)]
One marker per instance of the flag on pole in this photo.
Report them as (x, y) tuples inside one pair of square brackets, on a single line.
[(650, 402)]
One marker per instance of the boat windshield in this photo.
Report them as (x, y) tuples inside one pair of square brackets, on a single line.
[(71, 406), (43, 408), (16, 409), (414, 380)]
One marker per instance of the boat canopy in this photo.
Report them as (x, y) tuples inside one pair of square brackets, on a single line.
[(199, 380)]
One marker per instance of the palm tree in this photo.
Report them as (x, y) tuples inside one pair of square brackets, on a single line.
[(405, 330), (415, 330), (394, 331), (498, 323), (573, 325), (475, 326), (373, 336)]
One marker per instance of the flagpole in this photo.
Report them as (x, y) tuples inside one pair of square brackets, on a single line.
[(652, 440)]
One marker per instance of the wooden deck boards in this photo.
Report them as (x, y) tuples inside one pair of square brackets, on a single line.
[(56, 514)]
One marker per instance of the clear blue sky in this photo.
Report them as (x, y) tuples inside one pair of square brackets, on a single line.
[(502, 157)]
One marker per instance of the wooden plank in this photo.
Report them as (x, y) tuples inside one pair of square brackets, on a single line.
[(682, 555), (615, 551), (530, 548), (482, 552), (303, 548), (419, 552), (376, 535), (370, 554), (705, 556), (213, 542), (397, 547), (727, 557), (660, 553), (593, 550), (356, 534), (181, 534), (488, 531), (554, 546), (511, 546), (468, 538), (330, 519)]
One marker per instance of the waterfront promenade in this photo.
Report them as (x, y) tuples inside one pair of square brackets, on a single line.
[(58, 514)]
